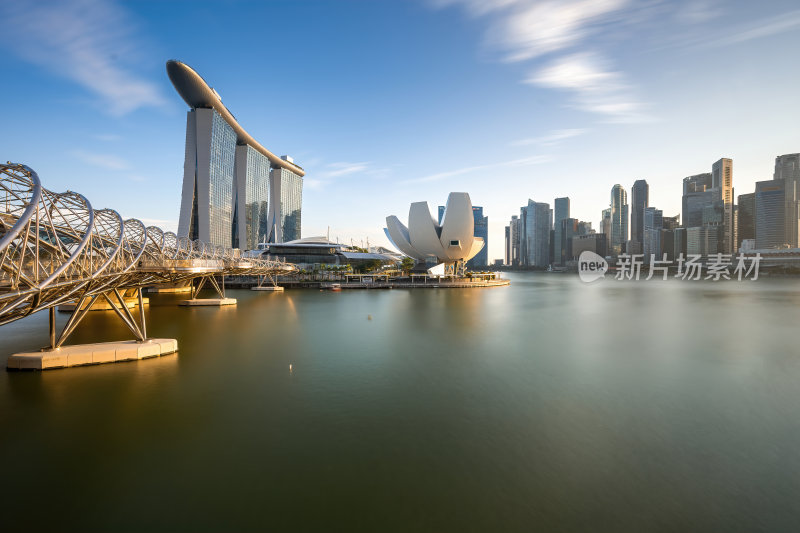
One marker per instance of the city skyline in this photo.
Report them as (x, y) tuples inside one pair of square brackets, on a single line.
[(483, 97)]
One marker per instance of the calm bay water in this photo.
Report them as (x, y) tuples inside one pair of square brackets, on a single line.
[(548, 405)]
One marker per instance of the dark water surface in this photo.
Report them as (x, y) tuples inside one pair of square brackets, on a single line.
[(548, 405)]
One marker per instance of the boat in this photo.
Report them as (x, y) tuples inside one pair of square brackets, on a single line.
[(334, 287)]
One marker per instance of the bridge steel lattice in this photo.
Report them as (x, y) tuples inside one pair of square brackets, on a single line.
[(55, 248)]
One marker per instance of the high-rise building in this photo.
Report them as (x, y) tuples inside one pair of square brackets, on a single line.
[(703, 240), (507, 255), (787, 166), (251, 198), (697, 195), (481, 230), (722, 183), (770, 211), (605, 225), (285, 207), (536, 221), (593, 242), (561, 213), (516, 232), (619, 218), (640, 198), (653, 224), (746, 213), (234, 189), (568, 228)]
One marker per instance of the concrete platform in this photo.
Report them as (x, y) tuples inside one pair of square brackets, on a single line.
[(102, 305), (209, 301), (267, 288), (169, 289), (91, 354)]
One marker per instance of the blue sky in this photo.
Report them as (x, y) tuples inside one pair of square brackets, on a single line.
[(389, 102)]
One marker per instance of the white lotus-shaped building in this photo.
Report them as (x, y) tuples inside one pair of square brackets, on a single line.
[(453, 242)]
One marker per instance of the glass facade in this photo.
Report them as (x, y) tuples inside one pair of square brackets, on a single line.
[(221, 168), (290, 202), (257, 198), (482, 231)]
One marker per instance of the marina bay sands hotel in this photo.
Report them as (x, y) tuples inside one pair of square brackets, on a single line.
[(236, 193)]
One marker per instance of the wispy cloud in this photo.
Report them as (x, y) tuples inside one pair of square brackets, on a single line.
[(763, 28), (336, 170), (522, 162), (106, 161), (595, 87), (87, 41), (552, 138), (525, 30)]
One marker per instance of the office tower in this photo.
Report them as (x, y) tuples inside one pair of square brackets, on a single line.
[(787, 166), (507, 254), (697, 194), (514, 227), (441, 214), (703, 240), (679, 242), (251, 198), (770, 213), (722, 183), (568, 228), (619, 218), (285, 206), (592, 242), (640, 197), (561, 213), (481, 230), (605, 225), (536, 221), (746, 224), (671, 223), (584, 228), (653, 224)]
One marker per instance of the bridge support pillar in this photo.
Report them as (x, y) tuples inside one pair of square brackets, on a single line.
[(219, 288)]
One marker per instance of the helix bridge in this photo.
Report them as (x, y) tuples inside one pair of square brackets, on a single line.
[(55, 248)]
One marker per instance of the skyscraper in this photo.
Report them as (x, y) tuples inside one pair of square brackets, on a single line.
[(536, 221), (653, 224), (787, 168), (770, 211), (567, 229), (722, 183), (251, 198), (481, 230), (746, 225), (605, 226), (619, 218), (286, 201), (234, 189), (640, 197), (697, 195), (561, 213)]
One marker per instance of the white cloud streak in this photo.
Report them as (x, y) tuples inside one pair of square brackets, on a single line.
[(87, 41), (106, 161), (337, 170), (522, 162), (552, 138), (764, 28), (532, 29), (595, 88)]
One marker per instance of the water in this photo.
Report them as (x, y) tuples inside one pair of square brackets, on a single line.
[(548, 405)]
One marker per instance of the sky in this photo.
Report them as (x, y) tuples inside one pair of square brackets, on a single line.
[(388, 102)]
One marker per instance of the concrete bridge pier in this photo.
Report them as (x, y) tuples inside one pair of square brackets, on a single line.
[(220, 288), (56, 355)]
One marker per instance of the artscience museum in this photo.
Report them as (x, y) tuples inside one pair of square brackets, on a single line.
[(450, 244)]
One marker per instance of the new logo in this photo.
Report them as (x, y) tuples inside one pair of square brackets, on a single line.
[(591, 266)]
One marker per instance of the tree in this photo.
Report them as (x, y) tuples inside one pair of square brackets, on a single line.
[(406, 264)]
